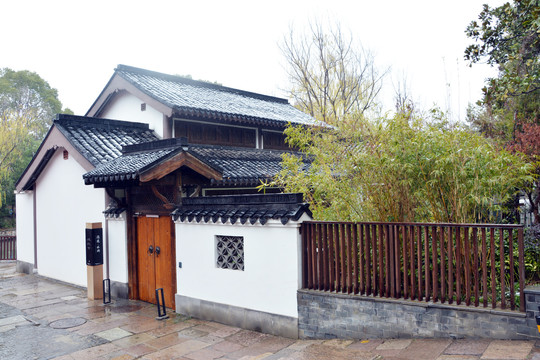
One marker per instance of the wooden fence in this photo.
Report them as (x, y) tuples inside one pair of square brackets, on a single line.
[(8, 248), (472, 264)]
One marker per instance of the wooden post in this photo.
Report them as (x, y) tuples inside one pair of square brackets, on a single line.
[(94, 260), (94, 278)]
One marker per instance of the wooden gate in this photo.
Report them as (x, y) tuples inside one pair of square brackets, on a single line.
[(156, 258)]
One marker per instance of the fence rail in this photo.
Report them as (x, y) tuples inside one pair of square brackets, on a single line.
[(8, 248), (474, 264)]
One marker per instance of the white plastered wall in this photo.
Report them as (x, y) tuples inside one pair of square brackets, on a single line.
[(127, 107), (118, 266), (25, 226), (271, 276), (63, 207)]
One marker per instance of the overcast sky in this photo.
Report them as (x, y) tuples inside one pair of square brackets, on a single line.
[(76, 45)]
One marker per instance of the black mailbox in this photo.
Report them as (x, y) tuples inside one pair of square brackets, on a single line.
[(94, 246)]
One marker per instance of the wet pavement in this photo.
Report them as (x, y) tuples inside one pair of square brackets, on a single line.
[(44, 319)]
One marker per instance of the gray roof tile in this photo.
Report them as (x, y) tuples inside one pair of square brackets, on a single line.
[(243, 208), (201, 99), (101, 140), (238, 166)]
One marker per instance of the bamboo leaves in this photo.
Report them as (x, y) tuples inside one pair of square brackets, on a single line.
[(404, 169)]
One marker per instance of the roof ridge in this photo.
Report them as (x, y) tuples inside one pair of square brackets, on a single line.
[(246, 199), (155, 145), (199, 83), (66, 119), (225, 147)]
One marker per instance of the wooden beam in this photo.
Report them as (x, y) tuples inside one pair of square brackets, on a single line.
[(177, 161), (160, 196)]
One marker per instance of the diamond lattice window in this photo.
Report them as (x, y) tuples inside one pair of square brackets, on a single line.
[(230, 252)]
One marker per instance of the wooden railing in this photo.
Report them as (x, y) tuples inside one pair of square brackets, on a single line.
[(474, 264), (8, 248)]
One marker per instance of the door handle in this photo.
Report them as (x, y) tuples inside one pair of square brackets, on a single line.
[(150, 250), (158, 250)]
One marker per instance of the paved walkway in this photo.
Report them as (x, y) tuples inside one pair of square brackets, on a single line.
[(42, 319)]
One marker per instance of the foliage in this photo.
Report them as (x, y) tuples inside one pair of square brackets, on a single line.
[(27, 107), (508, 37), (404, 168), (331, 77), (29, 96), (13, 139)]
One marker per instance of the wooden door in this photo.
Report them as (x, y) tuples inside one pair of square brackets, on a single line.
[(156, 258)]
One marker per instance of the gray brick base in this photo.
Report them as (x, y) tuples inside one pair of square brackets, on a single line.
[(237, 316), (24, 267), (323, 315), (119, 290), (532, 303)]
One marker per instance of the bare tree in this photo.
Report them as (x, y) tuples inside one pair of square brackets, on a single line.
[(330, 77), (403, 100)]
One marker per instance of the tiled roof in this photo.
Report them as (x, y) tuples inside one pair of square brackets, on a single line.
[(237, 166), (101, 140), (127, 167), (114, 212), (240, 166), (242, 208), (190, 98)]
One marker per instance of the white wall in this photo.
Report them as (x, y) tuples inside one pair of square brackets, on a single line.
[(25, 226), (271, 273), (127, 107), (64, 205), (118, 265)]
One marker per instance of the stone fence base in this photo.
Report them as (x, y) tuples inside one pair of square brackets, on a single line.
[(323, 315)]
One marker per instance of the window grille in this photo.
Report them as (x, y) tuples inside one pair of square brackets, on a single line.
[(230, 252)]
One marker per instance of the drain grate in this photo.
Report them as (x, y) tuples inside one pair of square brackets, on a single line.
[(67, 323)]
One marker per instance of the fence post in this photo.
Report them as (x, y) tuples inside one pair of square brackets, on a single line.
[(521, 271)]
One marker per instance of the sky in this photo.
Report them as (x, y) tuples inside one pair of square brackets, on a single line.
[(76, 45)]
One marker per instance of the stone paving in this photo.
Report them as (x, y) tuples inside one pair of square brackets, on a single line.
[(44, 319)]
